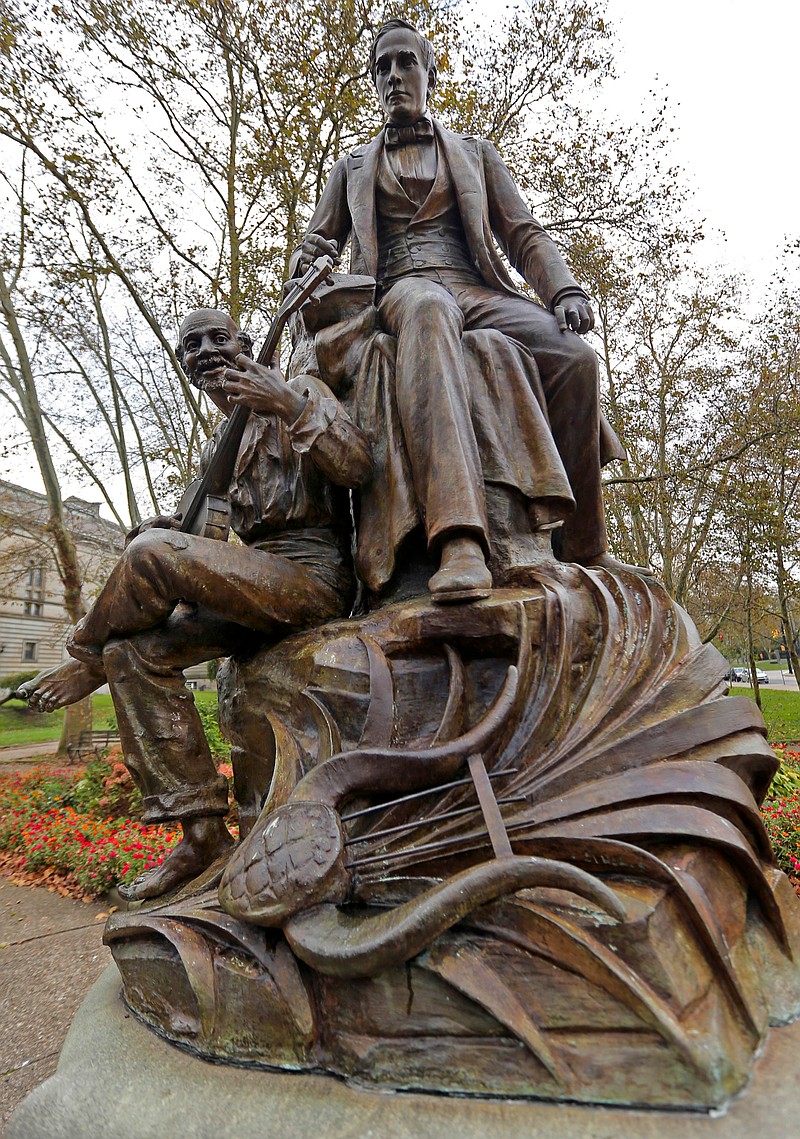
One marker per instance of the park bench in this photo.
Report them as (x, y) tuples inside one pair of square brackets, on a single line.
[(92, 743)]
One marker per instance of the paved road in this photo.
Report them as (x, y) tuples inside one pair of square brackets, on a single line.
[(786, 682)]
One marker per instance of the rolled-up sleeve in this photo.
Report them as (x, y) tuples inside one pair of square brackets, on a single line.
[(325, 431)]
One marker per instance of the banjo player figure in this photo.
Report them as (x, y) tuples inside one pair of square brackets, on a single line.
[(174, 600)]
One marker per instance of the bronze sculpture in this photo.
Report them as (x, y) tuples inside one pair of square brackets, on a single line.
[(292, 570), (420, 206), (509, 846)]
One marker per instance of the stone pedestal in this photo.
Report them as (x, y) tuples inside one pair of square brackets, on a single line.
[(116, 1078), (629, 945)]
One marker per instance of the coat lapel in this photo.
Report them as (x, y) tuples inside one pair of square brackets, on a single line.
[(465, 172), (362, 172)]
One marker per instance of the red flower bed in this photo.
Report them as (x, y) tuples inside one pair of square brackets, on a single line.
[(97, 853), (54, 829), (782, 818), (781, 813), (79, 830), (43, 833)]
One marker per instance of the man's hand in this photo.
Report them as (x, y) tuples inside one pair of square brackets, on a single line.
[(314, 246), (263, 390), (574, 311), (160, 522)]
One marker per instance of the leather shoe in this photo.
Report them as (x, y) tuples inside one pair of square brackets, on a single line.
[(463, 576)]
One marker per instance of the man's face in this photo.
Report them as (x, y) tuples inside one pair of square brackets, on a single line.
[(210, 343), (400, 76)]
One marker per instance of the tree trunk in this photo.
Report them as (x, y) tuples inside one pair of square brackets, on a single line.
[(786, 620), (751, 654), (77, 719), (66, 556)]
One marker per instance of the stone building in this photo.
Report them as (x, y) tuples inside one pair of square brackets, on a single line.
[(33, 620)]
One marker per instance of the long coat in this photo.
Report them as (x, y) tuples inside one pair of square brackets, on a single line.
[(490, 207), (488, 200)]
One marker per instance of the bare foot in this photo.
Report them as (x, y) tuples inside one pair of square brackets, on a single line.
[(463, 574), (610, 563), (60, 686), (205, 839)]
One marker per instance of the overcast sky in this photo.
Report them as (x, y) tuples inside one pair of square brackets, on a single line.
[(731, 72)]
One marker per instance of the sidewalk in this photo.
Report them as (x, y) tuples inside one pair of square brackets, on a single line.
[(51, 953), (27, 753)]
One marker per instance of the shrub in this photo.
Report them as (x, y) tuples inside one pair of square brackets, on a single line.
[(782, 819), (786, 781), (50, 819), (781, 810), (106, 789), (220, 748), (12, 682), (68, 821), (98, 854), (40, 790)]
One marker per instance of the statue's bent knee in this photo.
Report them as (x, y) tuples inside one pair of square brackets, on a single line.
[(148, 556), (583, 360)]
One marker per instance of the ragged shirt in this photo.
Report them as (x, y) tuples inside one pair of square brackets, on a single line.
[(288, 492)]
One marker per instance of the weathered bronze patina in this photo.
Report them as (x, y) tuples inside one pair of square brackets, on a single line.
[(292, 570), (631, 943), (420, 206), (500, 830)]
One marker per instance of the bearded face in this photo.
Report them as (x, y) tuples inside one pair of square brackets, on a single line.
[(209, 343)]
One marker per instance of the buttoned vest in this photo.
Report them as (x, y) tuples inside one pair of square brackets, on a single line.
[(412, 239)]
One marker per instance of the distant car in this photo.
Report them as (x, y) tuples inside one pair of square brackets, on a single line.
[(742, 675)]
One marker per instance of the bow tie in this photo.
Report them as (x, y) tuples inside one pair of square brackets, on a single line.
[(420, 131)]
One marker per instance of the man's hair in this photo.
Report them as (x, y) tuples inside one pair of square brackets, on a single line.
[(427, 56), (245, 341)]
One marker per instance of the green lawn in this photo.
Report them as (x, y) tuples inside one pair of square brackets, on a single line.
[(19, 725), (781, 711)]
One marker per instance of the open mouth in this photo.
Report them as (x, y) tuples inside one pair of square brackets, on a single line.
[(210, 373)]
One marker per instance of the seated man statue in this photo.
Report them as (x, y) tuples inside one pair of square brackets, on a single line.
[(420, 205), (175, 600)]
